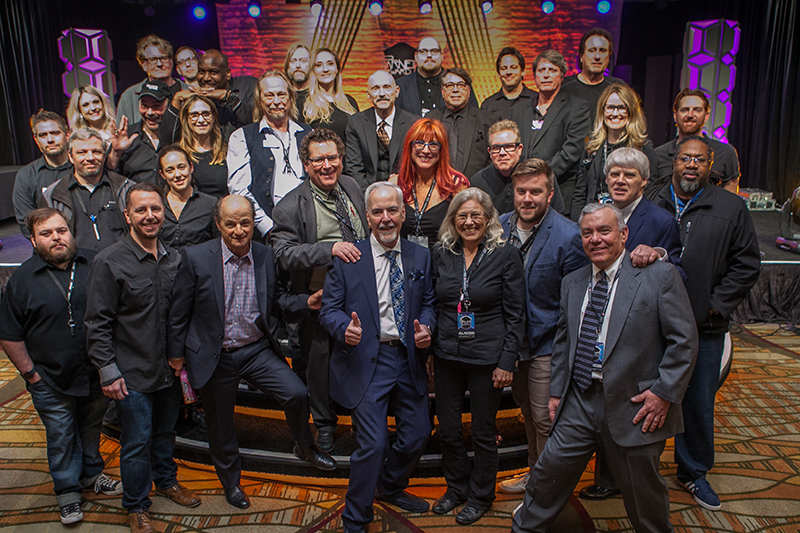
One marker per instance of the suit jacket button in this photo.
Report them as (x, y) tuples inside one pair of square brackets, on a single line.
[(378, 337), (372, 360)]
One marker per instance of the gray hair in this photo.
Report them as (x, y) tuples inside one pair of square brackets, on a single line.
[(626, 157), (379, 185), (448, 235), (594, 208), (84, 134)]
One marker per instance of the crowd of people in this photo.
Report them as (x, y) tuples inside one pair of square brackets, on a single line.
[(537, 241)]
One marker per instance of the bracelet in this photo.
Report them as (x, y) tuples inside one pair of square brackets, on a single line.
[(29, 374)]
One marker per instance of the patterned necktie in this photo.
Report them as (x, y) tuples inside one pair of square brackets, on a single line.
[(383, 137), (398, 294), (345, 224), (590, 329)]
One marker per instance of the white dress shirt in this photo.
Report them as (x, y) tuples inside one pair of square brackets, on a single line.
[(383, 268)]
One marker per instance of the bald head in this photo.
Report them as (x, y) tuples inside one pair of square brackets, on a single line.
[(382, 91), (235, 217), (213, 71), (429, 57)]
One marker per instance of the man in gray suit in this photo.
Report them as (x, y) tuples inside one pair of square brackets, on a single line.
[(374, 137), (624, 352), (320, 219)]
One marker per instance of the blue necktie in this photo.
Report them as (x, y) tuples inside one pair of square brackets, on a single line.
[(590, 329), (398, 294)]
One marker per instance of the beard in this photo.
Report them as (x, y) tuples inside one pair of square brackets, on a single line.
[(298, 76), (689, 186), (61, 256)]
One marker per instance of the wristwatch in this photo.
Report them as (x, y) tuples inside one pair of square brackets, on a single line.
[(29, 374)]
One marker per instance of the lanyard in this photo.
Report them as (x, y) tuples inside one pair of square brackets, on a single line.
[(528, 243), (67, 294), (346, 221), (602, 315), (93, 217), (464, 300), (419, 212), (286, 149), (675, 200)]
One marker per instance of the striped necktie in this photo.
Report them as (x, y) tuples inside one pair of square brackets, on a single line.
[(590, 329)]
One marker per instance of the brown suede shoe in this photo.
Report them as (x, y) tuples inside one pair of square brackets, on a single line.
[(139, 522), (180, 495)]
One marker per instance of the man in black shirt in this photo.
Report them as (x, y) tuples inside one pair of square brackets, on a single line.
[(595, 53), (511, 69), (50, 134), (296, 67), (42, 332), (129, 292)]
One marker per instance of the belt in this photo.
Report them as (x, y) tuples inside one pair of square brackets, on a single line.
[(230, 349), (393, 342)]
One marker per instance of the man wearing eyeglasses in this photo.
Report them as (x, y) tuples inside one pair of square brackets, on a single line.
[(721, 259), (374, 137), (186, 65), (264, 157), (420, 91), (320, 219), (154, 55), (467, 126)]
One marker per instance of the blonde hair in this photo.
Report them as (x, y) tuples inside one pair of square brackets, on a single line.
[(317, 107), (74, 115), (448, 235), (635, 133), (219, 148)]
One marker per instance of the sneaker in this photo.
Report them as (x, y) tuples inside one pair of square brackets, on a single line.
[(108, 486), (703, 494), (71, 513), (515, 485)]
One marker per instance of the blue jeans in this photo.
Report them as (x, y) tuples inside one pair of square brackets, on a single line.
[(694, 448), (72, 426), (147, 442)]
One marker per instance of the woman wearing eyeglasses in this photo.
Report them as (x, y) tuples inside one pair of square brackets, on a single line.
[(202, 140), (427, 180), (326, 105), (88, 107), (619, 122), (478, 280)]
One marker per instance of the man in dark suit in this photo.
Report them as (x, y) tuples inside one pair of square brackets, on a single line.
[(622, 358), (374, 137), (222, 300), (555, 125), (380, 312), (319, 220), (467, 126)]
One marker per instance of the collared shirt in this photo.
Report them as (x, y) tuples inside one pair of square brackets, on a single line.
[(129, 292), (195, 225), (389, 127), (102, 203), (35, 312), (328, 229), (628, 210), (500, 106), (383, 269), (29, 183), (242, 317), (611, 276), (429, 91)]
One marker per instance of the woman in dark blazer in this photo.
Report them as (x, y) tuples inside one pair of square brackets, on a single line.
[(479, 285)]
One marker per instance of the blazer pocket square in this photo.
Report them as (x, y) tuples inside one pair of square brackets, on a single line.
[(417, 275)]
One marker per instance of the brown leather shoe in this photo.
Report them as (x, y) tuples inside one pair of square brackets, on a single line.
[(180, 495), (139, 522)]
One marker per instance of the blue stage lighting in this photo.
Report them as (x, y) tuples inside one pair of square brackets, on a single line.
[(603, 6), (199, 12), (376, 7), (254, 8), (548, 7), (316, 7), (487, 6), (425, 6)]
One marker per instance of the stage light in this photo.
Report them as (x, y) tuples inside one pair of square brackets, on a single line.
[(254, 8), (376, 7), (316, 7), (425, 6), (548, 7), (199, 12), (487, 6), (603, 6)]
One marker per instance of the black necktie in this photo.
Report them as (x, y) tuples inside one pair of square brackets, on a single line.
[(345, 225), (590, 329)]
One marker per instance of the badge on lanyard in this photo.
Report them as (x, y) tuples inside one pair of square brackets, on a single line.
[(599, 353), (466, 321), (419, 239)]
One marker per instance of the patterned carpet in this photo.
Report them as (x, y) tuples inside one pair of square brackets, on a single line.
[(757, 471)]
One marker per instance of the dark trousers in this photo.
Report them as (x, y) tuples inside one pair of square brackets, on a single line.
[(316, 348), (374, 461), (694, 448), (259, 365), (471, 482), (579, 430)]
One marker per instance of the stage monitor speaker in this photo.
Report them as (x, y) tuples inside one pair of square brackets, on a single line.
[(709, 64), (87, 55)]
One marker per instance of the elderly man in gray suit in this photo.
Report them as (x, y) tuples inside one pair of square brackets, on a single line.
[(622, 358)]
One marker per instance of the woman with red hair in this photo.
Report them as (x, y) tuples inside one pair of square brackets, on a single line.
[(427, 180)]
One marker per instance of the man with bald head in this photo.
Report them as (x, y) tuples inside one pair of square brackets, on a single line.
[(222, 300), (374, 137), (420, 91)]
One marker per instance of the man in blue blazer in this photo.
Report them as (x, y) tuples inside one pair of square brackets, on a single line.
[(380, 312), (551, 248)]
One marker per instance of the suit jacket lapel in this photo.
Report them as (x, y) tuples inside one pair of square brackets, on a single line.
[(366, 274), (623, 298), (636, 219), (466, 133), (409, 262), (352, 192), (371, 134), (552, 113), (540, 239), (308, 212), (398, 133), (218, 278), (260, 272), (575, 296)]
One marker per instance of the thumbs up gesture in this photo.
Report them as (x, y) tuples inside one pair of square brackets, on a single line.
[(422, 335), (352, 334)]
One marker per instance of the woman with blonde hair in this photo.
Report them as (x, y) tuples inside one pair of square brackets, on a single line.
[(327, 105), (88, 107), (201, 138), (619, 121)]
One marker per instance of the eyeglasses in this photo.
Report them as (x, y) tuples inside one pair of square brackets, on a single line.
[(182, 62), (461, 85), (419, 146), (621, 109), (195, 115), (429, 51), (320, 161), (476, 216), (153, 60), (699, 160), (495, 149)]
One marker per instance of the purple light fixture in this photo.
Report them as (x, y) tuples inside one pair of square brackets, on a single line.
[(87, 56)]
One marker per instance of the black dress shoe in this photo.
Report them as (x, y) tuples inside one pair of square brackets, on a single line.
[(406, 501), (315, 456), (596, 492), (237, 497), (469, 515), (325, 440), (445, 504)]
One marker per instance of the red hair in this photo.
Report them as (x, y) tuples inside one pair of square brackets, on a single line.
[(448, 180)]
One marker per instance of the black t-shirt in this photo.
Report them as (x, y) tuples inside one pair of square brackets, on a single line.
[(210, 179), (338, 119), (591, 93)]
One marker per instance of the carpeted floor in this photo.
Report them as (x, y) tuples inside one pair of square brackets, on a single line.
[(757, 471)]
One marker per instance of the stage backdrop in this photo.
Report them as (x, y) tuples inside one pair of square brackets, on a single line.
[(470, 38)]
